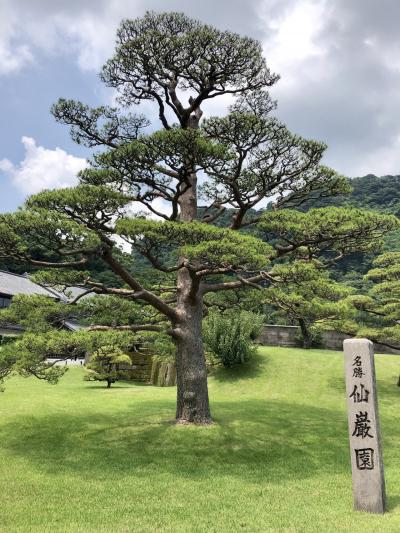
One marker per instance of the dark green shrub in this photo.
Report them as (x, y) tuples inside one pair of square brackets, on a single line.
[(228, 337)]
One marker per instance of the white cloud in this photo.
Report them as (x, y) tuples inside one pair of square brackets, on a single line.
[(13, 58), (340, 73), (13, 54), (84, 28), (42, 168), (384, 160), (292, 36), (93, 38), (339, 61)]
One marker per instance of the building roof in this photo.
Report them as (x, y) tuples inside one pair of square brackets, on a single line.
[(12, 284)]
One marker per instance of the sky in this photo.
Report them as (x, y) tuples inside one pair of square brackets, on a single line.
[(339, 63)]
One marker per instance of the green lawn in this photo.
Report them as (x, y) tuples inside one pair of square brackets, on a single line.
[(79, 457)]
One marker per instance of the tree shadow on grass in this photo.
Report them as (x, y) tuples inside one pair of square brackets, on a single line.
[(120, 385), (249, 370), (392, 502), (387, 390), (256, 440)]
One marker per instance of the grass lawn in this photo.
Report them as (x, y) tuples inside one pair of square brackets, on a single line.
[(79, 457)]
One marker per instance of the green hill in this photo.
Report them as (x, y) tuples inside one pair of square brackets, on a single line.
[(77, 457), (372, 192)]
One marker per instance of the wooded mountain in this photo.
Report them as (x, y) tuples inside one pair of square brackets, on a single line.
[(372, 192)]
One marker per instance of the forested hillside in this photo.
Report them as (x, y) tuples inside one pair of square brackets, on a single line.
[(382, 193), (370, 192)]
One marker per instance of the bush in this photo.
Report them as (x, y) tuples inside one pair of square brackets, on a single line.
[(229, 337)]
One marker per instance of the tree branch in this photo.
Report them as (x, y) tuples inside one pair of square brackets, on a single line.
[(210, 218), (131, 327), (64, 264), (161, 109), (228, 285), (145, 295)]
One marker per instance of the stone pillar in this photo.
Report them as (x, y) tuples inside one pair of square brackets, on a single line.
[(364, 429)]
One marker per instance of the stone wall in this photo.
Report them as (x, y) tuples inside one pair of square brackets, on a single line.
[(10, 331), (273, 335), (145, 369), (141, 366), (163, 374)]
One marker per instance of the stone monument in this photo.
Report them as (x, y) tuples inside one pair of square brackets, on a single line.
[(364, 430)]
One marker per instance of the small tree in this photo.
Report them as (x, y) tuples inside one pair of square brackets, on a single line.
[(246, 157), (105, 364)]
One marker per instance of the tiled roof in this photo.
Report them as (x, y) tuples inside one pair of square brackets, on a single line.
[(12, 284)]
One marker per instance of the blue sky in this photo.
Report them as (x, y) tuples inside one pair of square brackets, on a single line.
[(339, 63)]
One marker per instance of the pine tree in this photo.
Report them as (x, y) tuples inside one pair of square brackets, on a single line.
[(237, 161), (105, 365)]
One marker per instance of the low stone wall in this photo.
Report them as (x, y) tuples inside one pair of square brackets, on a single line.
[(333, 340), (163, 374), (10, 331), (272, 335), (141, 366), (145, 369), (275, 335)]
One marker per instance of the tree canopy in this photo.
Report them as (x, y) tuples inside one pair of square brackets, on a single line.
[(380, 307)]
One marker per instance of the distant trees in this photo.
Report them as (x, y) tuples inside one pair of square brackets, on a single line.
[(372, 192)]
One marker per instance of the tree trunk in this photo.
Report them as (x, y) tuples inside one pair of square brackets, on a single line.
[(191, 372), (307, 342)]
